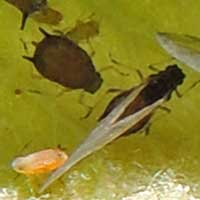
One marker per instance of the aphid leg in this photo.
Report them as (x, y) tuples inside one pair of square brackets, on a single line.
[(140, 75), (178, 94), (59, 32), (153, 68), (32, 91), (92, 51), (63, 91), (34, 43), (88, 18), (147, 129), (164, 108), (24, 18), (89, 108), (114, 90), (25, 46), (34, 75), (44, 32), (111, 67)]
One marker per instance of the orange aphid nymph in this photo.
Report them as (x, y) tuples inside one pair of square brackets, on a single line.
[(40, 162)]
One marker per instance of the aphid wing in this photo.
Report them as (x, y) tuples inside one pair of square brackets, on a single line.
[(181, 47), (99, 137), (118, 110)]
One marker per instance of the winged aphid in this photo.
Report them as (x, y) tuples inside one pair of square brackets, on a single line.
[(157, 86)]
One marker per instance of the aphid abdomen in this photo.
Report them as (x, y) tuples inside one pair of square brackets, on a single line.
[(140, 126)]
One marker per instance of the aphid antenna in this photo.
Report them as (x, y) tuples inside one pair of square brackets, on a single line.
[(44, 32), (24, 18), (195, 84), (111, 67), (153, 67)]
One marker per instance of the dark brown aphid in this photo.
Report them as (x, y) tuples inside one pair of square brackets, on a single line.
[(27, 7), (158, 86), (45, 15), (61, 60)]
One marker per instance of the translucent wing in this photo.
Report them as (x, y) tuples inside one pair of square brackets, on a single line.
[(104, 133), (185, 48)]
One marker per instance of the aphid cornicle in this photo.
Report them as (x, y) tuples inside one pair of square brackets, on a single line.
[(61, 60), (157, 86)]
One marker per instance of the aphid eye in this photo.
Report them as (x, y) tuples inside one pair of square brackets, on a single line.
[(38, 4), (154, 81)]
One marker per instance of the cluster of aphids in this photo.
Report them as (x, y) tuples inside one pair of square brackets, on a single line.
[(60, 59)]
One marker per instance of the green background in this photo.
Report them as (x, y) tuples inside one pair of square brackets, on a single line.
[(127, 30)]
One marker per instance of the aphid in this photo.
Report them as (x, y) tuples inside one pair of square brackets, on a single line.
[(61, 60), (185, 48), (29, 7), (40, 162), (48, 16), (84, 30), (107, 131), (157, 86)]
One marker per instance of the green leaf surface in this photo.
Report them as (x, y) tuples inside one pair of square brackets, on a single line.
[(125, 167)]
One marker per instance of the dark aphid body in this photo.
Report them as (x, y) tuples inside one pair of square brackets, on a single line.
[(61, 60), (158, 86), (27, 7)]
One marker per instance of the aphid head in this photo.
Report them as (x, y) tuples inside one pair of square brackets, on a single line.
[(164, 83), (19, 164), (38, 5), (96, 83), (175, 74)]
